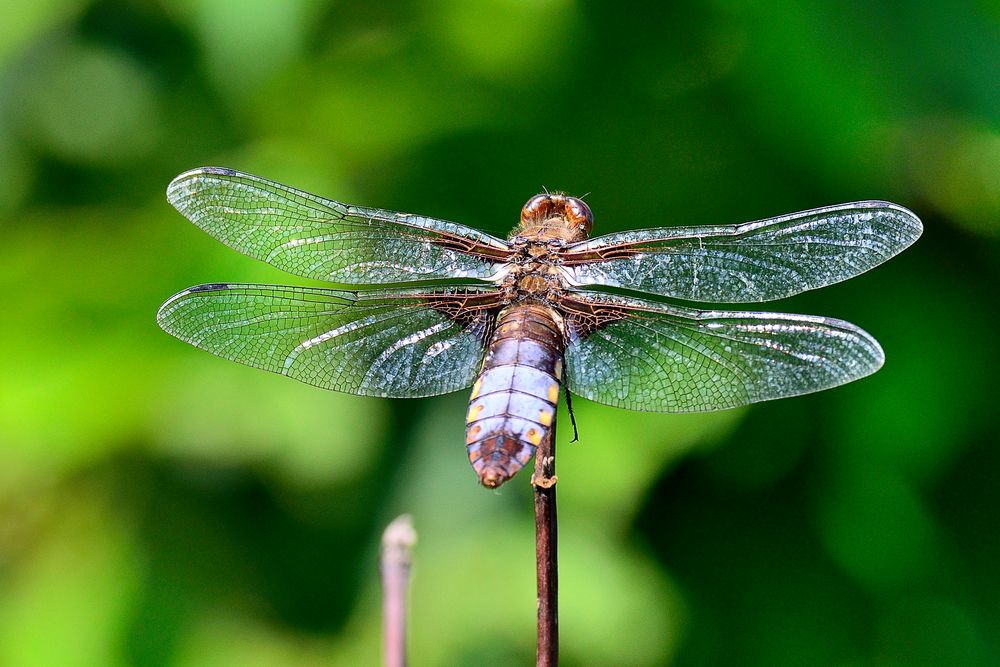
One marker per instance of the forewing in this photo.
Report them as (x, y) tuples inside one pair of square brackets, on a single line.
[(327, 240), (642, 355), (395, 344), (751, 262)]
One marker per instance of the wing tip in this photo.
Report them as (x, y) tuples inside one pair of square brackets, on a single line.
[(910, 221), (177, 189), (168, 307), (876, 355)]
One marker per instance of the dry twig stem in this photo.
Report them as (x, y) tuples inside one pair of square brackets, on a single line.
[(546, 565), (394, 565)]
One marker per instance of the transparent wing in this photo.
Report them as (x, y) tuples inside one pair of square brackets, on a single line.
[(642, 355), (326, 240), (755, 261), (397, 344)]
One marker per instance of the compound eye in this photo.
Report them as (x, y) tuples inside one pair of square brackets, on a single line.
[(579, 214), (537, 208)]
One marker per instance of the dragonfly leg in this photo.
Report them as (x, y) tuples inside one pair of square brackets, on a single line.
[(572, 417)]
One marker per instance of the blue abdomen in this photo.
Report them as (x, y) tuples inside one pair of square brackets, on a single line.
[(513, 402)]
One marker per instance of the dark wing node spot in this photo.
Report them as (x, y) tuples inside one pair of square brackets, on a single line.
[(209, 287), (220, 171)]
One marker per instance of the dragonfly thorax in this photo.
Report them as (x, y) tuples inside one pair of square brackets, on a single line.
[(533, 273)]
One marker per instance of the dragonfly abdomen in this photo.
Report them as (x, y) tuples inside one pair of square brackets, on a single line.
[(513, 403)]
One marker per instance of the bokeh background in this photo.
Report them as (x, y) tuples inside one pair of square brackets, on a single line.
[(159, 506)]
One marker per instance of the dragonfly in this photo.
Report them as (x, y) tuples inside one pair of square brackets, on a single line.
[(522, 320)]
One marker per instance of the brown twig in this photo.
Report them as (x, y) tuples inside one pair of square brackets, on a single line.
[(394, 565), (546, 566)]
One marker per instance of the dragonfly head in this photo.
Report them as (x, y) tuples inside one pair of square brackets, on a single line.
[(559, 215)]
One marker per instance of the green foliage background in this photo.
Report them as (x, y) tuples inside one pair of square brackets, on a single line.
[(159, 506)]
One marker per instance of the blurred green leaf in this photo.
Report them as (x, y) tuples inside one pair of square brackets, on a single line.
[(69, 603), (21, 24), (87, 104)]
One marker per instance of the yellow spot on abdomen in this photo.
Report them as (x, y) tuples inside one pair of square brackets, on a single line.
[(545, 417), (474, 411), (476, 387), (553, 393), (533, 436), (470, 437)]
